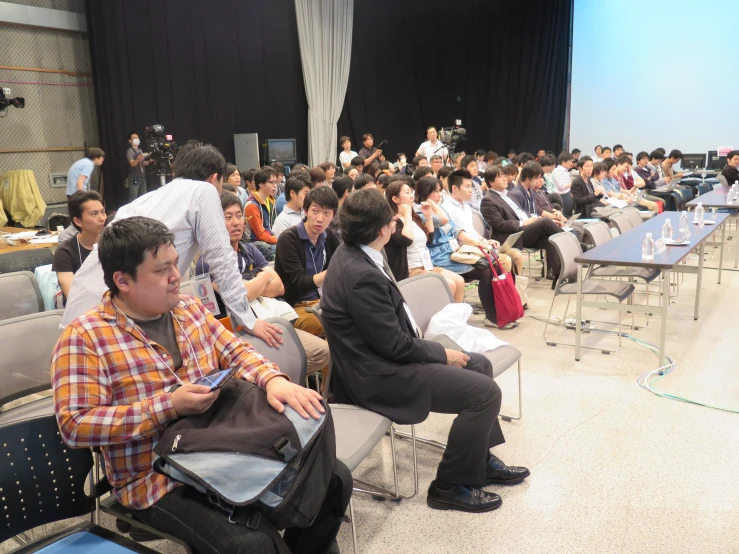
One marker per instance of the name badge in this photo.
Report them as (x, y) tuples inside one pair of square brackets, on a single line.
[(426, 260), (205, 293), (453, 244), (659, 246)]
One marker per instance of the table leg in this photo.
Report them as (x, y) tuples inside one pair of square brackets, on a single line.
[(701, 252), (578, 316), (665, 305), (721, 255)]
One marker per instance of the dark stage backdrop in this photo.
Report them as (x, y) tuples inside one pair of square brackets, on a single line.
[(204, 70), (501, 66)]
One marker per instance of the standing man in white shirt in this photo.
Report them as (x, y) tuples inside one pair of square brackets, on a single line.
[(433, 146), (296, 188), (190, 206)]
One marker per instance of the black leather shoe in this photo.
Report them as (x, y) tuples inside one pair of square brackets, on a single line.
[(497, 473), (462, 498)]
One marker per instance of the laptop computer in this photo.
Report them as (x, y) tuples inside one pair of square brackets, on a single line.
[(667, 188), (509, 243)]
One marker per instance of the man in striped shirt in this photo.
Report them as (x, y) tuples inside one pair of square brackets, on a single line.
[(127, 368)]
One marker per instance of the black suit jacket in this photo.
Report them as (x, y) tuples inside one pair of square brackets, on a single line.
[(501, 217), (584, 199), (378, 362)]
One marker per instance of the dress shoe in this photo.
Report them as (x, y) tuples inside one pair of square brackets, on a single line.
[(462, 498), (497, 473)]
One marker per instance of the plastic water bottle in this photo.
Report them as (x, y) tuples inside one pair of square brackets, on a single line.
[(684, 223), (730, 195), (647, 249), (699, 211), (736, 191), (667, 230), (713, 214)]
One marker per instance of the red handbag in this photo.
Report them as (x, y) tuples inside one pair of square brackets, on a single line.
[(508, 306)]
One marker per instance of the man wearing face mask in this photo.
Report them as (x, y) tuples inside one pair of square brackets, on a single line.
[(136, 180)]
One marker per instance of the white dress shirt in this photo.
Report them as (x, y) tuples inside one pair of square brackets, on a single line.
[(346, 157), (460, 214), (192, 211), (427, 150), (562, 179), (287, 218), (379, 261), (519, 212)]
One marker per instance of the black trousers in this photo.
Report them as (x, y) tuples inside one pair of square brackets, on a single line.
[(189, 515), (471, 393), (484, 290), (536, 235)]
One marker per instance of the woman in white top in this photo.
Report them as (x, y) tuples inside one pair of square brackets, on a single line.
[(416, 234), (347, 155)]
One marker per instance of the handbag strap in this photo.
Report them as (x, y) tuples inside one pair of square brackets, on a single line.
[(491, 263)]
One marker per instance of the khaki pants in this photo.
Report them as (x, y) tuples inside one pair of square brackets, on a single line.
[(307, 321), (316, 350), (512, 258)]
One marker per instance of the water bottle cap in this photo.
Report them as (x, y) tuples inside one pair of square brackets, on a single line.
[(649, 235)]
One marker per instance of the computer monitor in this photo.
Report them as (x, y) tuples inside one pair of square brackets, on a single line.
[(693, 161), (715, 161), (281, 150)]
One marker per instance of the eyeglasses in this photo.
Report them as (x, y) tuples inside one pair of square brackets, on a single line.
[(271, 182)]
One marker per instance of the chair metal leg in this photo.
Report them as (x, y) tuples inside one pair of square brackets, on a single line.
[(354, 526), (520, 401), (381, 493)]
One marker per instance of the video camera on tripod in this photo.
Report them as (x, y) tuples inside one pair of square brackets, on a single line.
[(450, 136), (6, 101), (159, 147)]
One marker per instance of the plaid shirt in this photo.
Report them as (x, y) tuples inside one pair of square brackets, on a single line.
[(110, 387)]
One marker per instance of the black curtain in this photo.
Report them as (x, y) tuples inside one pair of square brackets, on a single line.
[(501, 66), (204, 70)]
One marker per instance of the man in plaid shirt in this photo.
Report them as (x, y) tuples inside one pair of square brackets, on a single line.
[(112, 374)]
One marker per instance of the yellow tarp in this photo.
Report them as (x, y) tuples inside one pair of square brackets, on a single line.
[(3, 217), (21, 198)]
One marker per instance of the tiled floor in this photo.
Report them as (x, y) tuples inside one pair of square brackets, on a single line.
[(614, 468)]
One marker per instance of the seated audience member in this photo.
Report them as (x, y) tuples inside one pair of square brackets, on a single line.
[(295, 190), (364, 180), (511, 155), (373, 170), (623, 166), (589, 195), (606, 153), (506, 218), (511, 174), (358, 163), (279, 168), (304, 254), (369, 153), (347, 154), (478, 187), (352, 173), (540, 154), (230, 188), (260, 207), (383, 181), (459, 211), (422, 172), (259, 278), (618, 150), (329, 170), (670, 161), (233, 177), (409, 253), (549, 188), (561, 174), (443, 176), (432, 145), (87, 213), (650, 176), (317, 177), (248, 177), (113, 372), (436, 164), (597, 158), (490, 159), (730, 171), (342, 186), (481, 164), (386, 168), (458, 159), (383, 365), (420, 161)]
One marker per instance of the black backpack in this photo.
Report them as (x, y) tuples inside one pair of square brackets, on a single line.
[(252, 461)]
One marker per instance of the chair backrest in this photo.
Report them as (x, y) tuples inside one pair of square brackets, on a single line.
[(634, 216), (26, 344), (723, 180), (703, 188), (19, 295), (42, 480), (25, 260), (479, 224), (426, 295), (290, 356), (621, 221), (568, 248), (597, 233), (58, 220)]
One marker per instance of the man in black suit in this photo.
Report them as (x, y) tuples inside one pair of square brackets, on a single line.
[(506, 218), (382, 364), (587, 198)]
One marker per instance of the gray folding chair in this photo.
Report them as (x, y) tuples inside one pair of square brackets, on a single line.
[(634, 216), (19, 295), (723, 180), (290, 356), (478, 222), (26, 344), (621, 221), (568, 248), (426, 295), (25, 260)]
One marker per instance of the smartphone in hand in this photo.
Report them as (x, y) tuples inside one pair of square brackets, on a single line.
[(217, 379)]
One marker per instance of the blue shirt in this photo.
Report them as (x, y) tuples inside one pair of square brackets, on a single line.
[(80, 167), (280, 203), (611, 185), (315, 258)]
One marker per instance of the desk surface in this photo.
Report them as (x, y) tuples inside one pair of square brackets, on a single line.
[(5, 247), (626, 249), (714, 199)]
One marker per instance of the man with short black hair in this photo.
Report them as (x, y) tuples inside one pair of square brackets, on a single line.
[(606, 153), (304, 254), (358, 163), (730, 171), (78, 176), (87, 213), (561, 174), (369, 153), (597, 158), (342, 187), (576, 154), (190, 205), (126, 369), (295, 190), (260, 210), (617, 151), (382, 363)]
